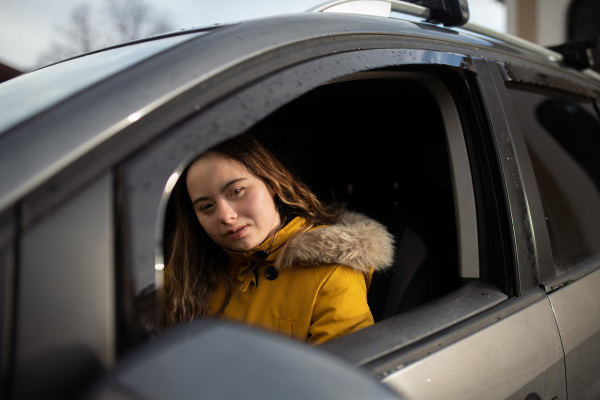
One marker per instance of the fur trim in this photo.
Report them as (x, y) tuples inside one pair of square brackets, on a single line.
[(355, 241)]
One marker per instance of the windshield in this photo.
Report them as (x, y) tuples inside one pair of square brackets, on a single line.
[(31, 93)]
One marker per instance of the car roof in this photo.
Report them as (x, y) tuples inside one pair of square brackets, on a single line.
[(44, 142)]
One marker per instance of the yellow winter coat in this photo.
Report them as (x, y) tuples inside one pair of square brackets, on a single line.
[(310, 286)]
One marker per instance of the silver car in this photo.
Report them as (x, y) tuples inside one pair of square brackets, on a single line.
[(479, 151)]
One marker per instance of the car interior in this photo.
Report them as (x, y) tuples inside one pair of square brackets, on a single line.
[(377, 146)]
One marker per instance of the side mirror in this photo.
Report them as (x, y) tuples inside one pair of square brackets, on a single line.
[(213, 359)]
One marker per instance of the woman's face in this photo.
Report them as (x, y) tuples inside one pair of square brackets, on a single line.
[(235, 208)]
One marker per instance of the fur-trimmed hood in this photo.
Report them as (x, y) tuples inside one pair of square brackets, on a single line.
[(355, 241)]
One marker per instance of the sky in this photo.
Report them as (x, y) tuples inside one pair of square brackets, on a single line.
[(29, 27)]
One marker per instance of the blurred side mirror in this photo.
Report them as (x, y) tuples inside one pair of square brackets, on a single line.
[(211, 359)]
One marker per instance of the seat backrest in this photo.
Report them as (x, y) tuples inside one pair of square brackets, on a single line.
[(426, 264)]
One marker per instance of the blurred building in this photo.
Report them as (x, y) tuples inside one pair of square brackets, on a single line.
[(554, 22), (7, 72)]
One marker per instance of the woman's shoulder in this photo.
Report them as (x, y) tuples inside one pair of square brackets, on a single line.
[(355, 241)]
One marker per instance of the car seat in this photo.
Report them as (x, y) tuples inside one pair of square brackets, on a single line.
[(426, 262)]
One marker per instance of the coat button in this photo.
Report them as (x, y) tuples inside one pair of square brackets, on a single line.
[(260, 255), (271, 273)]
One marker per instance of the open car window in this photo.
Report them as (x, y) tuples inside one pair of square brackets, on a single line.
[(389, 143), (358, 143)]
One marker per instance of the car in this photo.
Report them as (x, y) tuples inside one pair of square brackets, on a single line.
[(478, 151)]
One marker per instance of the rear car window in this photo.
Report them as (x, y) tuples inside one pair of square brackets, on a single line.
[(563, 138)]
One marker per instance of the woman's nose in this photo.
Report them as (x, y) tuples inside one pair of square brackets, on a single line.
[(226, 212)]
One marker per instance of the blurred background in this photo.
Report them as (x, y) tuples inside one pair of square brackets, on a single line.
[(34, 33)]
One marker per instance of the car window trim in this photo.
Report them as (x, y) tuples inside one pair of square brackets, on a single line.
[(571, 276), (417, 329), (8, 261), (530, 238), (462, 184), (390, 345), (251, 85)]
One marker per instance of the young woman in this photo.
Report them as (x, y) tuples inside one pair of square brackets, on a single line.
[(253, 244)]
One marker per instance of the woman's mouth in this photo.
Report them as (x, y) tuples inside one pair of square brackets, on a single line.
[(236, 233)]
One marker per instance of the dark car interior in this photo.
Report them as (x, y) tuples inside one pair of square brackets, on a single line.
[(379, 148)]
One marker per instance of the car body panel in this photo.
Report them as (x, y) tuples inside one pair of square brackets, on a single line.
[(76, 318), (39, 91), (577, 307), (404, 338), (509, 363)]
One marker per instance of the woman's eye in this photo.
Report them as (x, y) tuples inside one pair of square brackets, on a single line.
[(237, 191), (205, 207)]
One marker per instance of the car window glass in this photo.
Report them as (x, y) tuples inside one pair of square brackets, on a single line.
[(563, 138), (30, 93)]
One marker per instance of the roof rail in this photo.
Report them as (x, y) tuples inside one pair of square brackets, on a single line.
[(447, 12), (514, 40), (383, 8)]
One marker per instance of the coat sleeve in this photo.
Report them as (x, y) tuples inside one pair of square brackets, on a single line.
[(340, 306)]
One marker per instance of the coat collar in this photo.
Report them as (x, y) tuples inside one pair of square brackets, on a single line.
[(268, 250), (355, 241)]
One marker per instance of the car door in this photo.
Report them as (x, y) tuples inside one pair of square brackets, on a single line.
[(488, 330), (559, 120)]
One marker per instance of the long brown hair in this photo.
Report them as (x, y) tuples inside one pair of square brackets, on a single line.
[(195, 265)]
